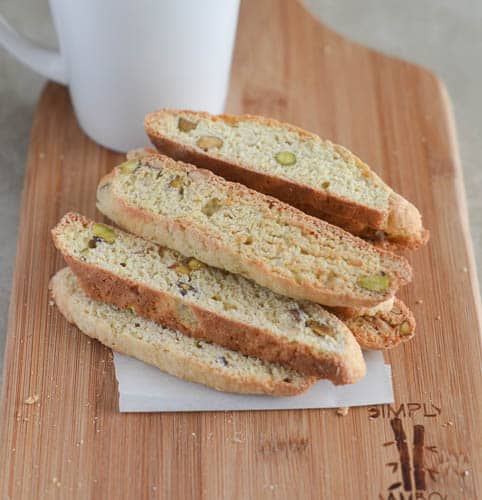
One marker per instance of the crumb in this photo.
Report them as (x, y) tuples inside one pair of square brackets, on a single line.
[(438, 318), (419, 301), (154, 488), (342, 411), (31, 399), (465, 473), (449, 423), (193, 434), (464, 269), (41, 156), (237, 437), (51, 303)]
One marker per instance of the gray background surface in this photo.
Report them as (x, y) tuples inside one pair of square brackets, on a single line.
[(443, 35)]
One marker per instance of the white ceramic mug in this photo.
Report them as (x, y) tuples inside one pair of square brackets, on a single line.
[(124, 58)]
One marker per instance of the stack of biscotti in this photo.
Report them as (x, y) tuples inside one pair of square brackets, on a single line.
[(220, 284)]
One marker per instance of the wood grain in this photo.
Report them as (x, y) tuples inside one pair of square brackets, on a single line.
[(74, 444)]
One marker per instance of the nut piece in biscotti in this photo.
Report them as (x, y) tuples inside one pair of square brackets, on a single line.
[(232, 227), (204, 302), (321, 178), (169, 350), (380, 329)]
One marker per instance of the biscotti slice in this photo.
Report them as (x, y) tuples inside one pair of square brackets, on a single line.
[(379, 329), (182, 293), (169, 350), (232, 227), (315, 175)]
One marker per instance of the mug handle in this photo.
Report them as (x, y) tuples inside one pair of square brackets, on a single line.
[(48, 63)]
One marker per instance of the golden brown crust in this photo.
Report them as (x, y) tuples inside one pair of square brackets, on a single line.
[(400, 230), (186, 367), (385, 329), (186, 238)]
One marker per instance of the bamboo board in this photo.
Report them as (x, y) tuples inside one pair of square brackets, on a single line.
[(72, 443)]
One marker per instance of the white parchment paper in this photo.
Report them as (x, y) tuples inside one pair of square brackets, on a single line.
[(143, 388)]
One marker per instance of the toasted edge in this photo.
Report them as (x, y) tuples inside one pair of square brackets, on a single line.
[(341, 368), (382, 330), (139, 153), (349, 312), (401, 223), (184, 367), (404, 224)]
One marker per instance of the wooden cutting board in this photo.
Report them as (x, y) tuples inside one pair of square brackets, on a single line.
[(72, 442)]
